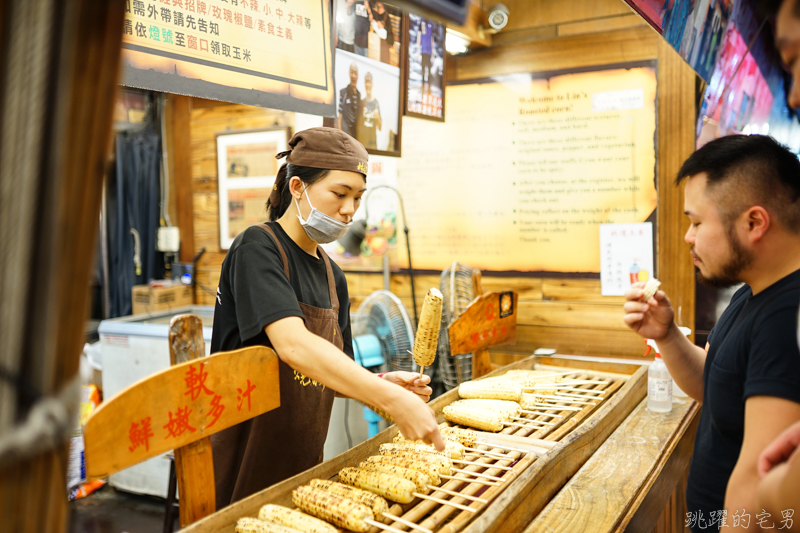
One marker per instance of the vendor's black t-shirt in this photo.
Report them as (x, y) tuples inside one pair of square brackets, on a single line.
[(254, 292), (753, 352)]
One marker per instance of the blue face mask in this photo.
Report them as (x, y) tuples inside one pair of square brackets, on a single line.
[(320, 227)]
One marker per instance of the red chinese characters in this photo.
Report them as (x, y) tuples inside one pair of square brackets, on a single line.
[(196, 382), (216, 410), (244, 394), (178, 425), (140, 434)]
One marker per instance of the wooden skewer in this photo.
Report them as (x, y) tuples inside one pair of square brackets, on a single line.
[(526, 426), (467, 480), (531, 421), (558, 374), (573, 396), (453, 493), (408, 523), (476, 474), (445, 502), (383, 526), (491, 454), (564, 399), (590, 391), (504, 447), (540, 414), (481, 464), (582, 382), (554, 407)]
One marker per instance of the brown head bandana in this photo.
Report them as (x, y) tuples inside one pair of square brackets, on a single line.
[(326, 148)]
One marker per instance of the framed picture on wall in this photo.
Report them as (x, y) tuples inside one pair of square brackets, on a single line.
[(246, 170), (425, 67), (368, 73)]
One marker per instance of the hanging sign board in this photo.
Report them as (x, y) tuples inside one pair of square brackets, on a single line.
[(268, 53)]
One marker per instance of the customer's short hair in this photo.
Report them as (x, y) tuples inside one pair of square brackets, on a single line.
[(769, 8), (747, 170)]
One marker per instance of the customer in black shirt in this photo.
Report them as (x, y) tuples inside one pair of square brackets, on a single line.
[(742, 198), (349, 104)]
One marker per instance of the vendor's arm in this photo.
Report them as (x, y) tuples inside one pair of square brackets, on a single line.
[(320, 360), (655, 319), (408, 380), (779, 469), (765, 418)]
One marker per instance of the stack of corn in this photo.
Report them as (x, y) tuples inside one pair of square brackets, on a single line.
[(388, 485), (271, 518), (427, 336), (337, 510)]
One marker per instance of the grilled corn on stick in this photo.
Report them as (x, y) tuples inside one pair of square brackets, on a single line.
[(294, 519), (256, 525), (489, 389), (454, 448), (483, 419), (444, 464), (412, 447), (465, 437), (420, 479), (428, 468), (378, 504), (389, 486), (503, 407), (650, 288), (427, 336), (339, 511)]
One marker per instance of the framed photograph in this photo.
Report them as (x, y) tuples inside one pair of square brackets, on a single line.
[(246, 170), (425, 67), (368, 73)]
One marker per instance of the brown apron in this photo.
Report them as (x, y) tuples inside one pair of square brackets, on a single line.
[(274, 446)]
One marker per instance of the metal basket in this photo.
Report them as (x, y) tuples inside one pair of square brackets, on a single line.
[(457, 289)]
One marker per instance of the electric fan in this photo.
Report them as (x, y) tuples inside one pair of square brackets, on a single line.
[(382, 333), (457, 288)]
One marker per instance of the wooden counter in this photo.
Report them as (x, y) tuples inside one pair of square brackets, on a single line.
[(626, 484)]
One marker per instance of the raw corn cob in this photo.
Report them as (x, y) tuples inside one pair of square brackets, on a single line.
[(454, 448), (427, 336), (256, 525), (490, 389), (295, 519), (479, 418), (650, 288), (378, 504), (339, 511), (443, 463), (389, 486), (430, 469), (503, 407), (465, 437), (420, 479)]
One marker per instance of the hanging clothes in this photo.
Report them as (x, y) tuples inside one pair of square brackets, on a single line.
[(133, 207)]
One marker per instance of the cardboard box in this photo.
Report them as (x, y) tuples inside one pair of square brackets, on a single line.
[(149, 300)]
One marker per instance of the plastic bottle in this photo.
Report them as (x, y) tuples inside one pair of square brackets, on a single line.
[(634, 271), (659, 385)]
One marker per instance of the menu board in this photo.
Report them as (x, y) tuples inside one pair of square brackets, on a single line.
[(528, 166)]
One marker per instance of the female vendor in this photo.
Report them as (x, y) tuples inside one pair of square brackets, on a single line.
[(278, 288)]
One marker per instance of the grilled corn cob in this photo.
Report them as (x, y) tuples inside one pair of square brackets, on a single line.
[(256, 525), (529, 401), (294, 519), (650, 288), (430, 469), (479, 418), (420, 479), (503, 407), (427, 336), (443, 463), (377, 503), (342, 512), (490, 389), (453, 448), (389, 486), (389, 448), (465, 437)]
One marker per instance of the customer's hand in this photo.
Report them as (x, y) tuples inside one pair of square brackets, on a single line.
[(651, 319)]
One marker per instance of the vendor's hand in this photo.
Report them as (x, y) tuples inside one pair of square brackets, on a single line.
[(414, 419), (652, 319), (411, 381), (785, 448)]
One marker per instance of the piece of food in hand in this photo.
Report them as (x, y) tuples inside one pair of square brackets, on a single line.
[(490, 389), (478, 418), (650, 288), (256, 525), (339, 511), (294, 519), (389, 486), (420, 479), (428, 468), (378, 504), (427, 336)]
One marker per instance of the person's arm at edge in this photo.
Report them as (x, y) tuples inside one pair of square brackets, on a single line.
[(655, 320), (321, 361), (779, 468), (765, 417)]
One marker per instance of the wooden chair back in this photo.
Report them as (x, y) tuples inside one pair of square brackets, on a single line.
[(179, 409)]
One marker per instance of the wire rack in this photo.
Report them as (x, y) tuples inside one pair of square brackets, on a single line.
[(457, 289)]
